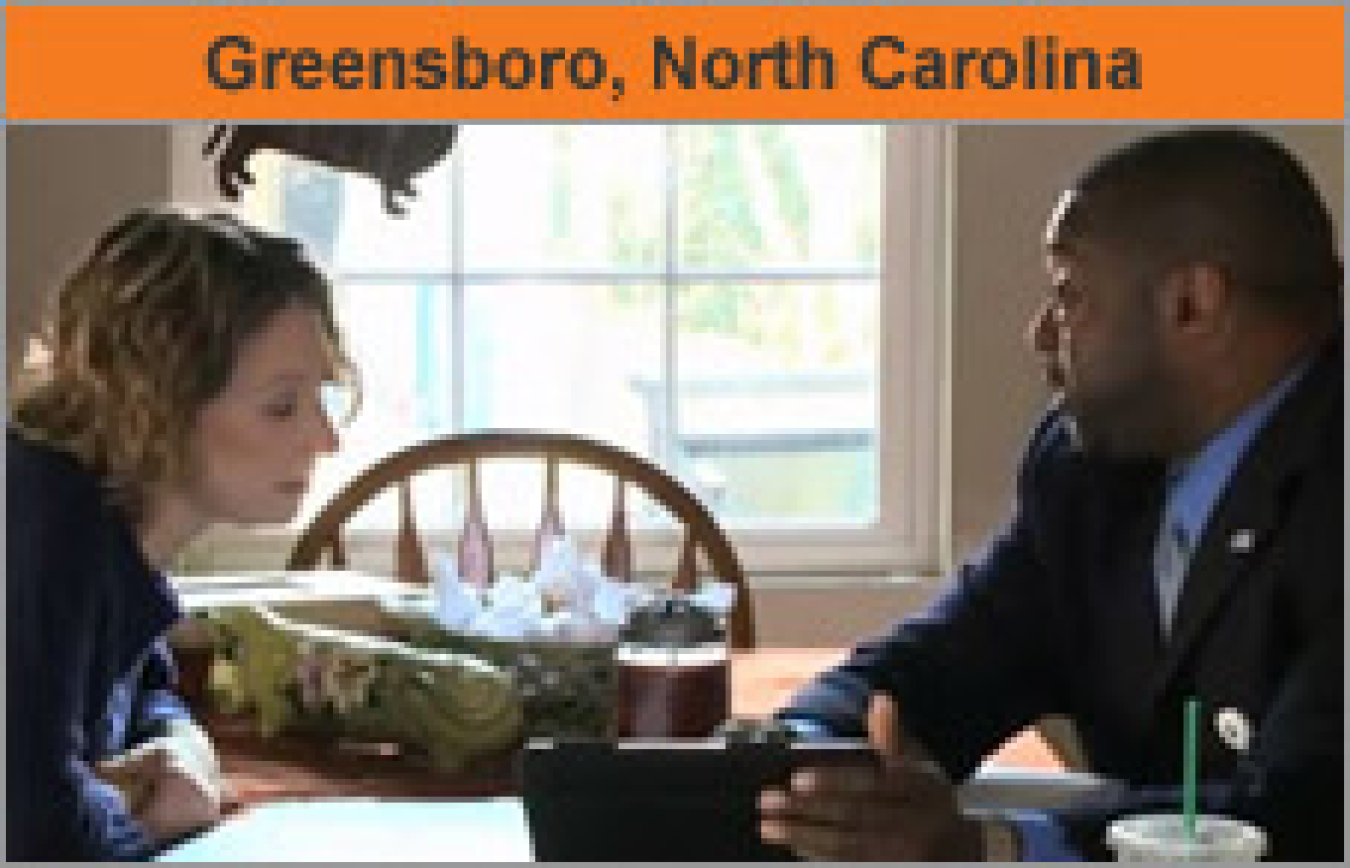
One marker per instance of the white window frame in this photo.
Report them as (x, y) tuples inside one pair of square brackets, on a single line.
[(911, 531)]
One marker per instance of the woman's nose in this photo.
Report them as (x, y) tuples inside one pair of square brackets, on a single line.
[(326, 439)]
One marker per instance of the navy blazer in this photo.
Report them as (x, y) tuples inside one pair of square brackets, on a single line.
[(1058, 616), (87, 669)]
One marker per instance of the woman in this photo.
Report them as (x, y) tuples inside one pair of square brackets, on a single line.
[(181, 386)]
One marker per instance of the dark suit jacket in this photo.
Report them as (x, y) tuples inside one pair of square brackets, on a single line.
[(1058, 617), (87, 673)]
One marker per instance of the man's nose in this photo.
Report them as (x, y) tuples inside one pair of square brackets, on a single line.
[(1042, 334)]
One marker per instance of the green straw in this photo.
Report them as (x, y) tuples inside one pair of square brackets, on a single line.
[(1191, 760)]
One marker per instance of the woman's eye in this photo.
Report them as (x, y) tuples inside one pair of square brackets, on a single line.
[(281, 409)]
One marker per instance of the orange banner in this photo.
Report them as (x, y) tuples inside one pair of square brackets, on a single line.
[(674, 62)]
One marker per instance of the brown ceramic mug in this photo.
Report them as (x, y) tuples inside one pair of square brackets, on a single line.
[(672, 673)]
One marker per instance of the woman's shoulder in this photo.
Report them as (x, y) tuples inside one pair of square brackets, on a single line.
[(41, 480), (57, 527)]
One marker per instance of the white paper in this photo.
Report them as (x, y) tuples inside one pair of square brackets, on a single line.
[(457, 604), (568, 599)]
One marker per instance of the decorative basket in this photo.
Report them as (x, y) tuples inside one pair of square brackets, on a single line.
[(291, 676), (446, 695)]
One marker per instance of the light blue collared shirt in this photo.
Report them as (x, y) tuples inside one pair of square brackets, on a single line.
[(1201, 480)]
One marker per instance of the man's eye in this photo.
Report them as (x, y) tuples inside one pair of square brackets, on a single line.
[(1064, 295)]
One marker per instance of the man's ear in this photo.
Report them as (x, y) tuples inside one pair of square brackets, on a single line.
[(1196, 298)]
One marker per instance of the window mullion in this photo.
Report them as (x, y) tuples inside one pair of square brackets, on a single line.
[(667, 450), (458, 328)]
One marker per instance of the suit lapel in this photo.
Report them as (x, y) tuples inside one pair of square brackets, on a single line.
[(1126, 503), (1249, 512), (1232, 545), (1134, 603)]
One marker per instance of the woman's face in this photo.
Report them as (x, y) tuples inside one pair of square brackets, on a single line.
[(255, 445)]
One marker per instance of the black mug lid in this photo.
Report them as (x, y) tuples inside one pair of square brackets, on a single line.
[(672, 621)]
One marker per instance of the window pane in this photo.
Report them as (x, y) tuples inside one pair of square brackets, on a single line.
[(399, 338), (777, 399), (586, 195), (571, 358), (341, 217), (761, 195)]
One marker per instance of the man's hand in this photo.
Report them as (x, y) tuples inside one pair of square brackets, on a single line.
[(171, 784), (904, 811)]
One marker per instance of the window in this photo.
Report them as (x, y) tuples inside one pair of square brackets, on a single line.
[(755, 307)]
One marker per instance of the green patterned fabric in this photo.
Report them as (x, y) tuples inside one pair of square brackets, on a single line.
[(447, 696), (448, 706)]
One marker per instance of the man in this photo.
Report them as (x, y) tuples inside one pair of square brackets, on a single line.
[(1178, 534)]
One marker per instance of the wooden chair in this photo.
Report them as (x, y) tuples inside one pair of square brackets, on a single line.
[(701, 531)]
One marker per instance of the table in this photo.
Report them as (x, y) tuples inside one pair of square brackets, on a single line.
[(295, 800), (260, 771)]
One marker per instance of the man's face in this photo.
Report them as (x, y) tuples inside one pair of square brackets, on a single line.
[(1098, 337)]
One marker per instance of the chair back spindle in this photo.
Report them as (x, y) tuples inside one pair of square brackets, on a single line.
[(337, 553), (686, 573), (616, 559), (550, 519), (475, 543), (410, 560)]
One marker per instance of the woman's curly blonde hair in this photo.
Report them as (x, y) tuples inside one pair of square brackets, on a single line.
[(146, 332)]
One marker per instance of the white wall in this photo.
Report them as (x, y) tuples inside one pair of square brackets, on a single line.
[(67, 182)]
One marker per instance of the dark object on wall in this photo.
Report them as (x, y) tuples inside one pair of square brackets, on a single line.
[(392, 154)]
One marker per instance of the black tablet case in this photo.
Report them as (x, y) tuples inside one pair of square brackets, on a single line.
[(659, 801)]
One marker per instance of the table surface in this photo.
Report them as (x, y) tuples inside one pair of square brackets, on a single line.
[(260, 771), (366, 830)]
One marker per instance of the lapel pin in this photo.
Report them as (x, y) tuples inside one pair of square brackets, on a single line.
[(1234, 729), (1242, 541)]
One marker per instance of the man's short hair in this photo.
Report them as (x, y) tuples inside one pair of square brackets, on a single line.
[(1229, 197)]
